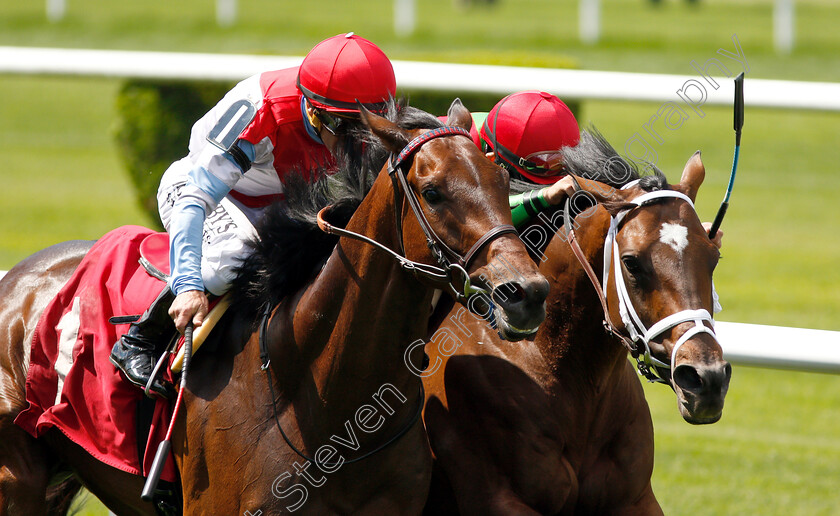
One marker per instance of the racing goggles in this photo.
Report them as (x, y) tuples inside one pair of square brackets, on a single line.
[(542, 164), (331, 122)]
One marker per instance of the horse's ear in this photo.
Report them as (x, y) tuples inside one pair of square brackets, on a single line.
[(392, 136), (692, 176), (458, 115)]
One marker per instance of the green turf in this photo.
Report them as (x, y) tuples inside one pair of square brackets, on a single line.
[(780, 249), (775, 452), (61, 176), (637, 36)]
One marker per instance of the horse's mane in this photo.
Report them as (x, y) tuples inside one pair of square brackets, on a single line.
[(594, 158), (290, 248)]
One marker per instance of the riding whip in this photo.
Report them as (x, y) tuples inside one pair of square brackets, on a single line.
[(163, 448), (738, 125)]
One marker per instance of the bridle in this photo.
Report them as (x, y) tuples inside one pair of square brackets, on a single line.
[(451, 262), (638, 341)]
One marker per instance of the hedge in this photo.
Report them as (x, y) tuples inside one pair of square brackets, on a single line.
[(153, 129)]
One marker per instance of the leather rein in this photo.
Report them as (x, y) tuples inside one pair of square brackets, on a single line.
[(451, 262), (638, 341)]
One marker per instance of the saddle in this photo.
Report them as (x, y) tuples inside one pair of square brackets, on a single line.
[(154, 257), (72, 386)]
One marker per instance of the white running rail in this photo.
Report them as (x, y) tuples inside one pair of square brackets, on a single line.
[(455, 78), (775, 347)]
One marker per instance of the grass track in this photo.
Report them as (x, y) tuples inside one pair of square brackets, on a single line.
[(774, 452), (62, 179)]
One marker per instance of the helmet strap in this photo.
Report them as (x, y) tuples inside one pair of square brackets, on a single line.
[(494, 147), (495, 121), (376, 107)]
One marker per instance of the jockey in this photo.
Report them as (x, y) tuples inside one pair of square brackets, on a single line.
[(524, 133), (281, 122)]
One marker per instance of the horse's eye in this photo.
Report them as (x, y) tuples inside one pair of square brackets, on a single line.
[(632, 264), (432, 196)]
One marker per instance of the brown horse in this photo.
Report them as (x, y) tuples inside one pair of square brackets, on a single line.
[(560, 424), (323, 370)]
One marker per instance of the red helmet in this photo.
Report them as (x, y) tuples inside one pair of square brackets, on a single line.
[(526, 131), (343, 69)]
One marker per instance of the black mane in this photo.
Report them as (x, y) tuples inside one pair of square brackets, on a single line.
[(291, 249), (594, 158)]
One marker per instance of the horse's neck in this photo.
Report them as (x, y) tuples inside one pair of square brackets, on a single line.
[(573, 339), (353, 323)]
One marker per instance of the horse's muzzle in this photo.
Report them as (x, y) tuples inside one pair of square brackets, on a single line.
[(521, 307), (701, 390)]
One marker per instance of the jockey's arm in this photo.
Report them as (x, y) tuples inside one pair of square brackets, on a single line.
[(213, 175), (526, 206)]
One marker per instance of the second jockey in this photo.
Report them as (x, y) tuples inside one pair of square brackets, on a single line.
[(290, 121), (524, 133)]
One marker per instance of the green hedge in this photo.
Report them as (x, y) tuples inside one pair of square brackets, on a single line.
[(153, 129), (155, 119)]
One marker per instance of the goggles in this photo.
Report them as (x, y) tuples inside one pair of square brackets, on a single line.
[(331, 122), (542, 164)]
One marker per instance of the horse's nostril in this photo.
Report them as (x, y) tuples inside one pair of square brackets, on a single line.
[(687, 378), (509, 293)]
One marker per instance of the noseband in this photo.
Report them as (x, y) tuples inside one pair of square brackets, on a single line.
[(640, 336), (451, 262)]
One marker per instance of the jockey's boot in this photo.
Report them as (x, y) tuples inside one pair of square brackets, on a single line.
[(134, 354)]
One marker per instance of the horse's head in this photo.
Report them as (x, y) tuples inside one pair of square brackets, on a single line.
[(658, 267), (453, 211)]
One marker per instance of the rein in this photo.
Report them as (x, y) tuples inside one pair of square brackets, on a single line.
[(450, 261), (638, 342), (609, 326), (266, 362)]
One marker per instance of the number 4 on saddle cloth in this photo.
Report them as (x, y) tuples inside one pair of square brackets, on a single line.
[(71, 385)]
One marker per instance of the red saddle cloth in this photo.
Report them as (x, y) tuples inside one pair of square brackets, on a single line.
[(71, 385)]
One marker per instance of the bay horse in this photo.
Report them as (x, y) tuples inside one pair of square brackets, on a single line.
[(560, 424), (309, 407)]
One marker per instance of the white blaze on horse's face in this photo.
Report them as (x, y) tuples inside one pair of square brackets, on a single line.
[(674, 235)]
